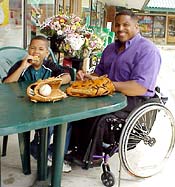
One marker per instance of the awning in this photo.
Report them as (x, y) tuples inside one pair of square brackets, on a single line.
[(130, 4), (160, 6)]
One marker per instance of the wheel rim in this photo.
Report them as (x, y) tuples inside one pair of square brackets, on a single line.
[(143, 149)]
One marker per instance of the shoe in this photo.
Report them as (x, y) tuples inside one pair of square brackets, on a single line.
[(66, 167), (49, 162)]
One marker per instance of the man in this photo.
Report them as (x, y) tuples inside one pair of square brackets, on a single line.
[(132, 62), (33, 67)]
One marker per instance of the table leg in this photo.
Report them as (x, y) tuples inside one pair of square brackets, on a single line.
[(24, 144), (42, 156), (58, 154)]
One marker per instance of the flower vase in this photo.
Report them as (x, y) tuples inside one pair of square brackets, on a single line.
[(77, 63), (67, 62)]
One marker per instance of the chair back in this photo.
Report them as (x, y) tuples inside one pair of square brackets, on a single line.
[(8, 57)]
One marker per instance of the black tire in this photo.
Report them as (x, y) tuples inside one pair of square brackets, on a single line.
[(108, 179)]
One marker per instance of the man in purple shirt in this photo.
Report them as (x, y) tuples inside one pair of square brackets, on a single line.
[(132, 62)]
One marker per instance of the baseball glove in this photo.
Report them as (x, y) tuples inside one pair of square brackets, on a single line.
[(46, 90), (91, 88)]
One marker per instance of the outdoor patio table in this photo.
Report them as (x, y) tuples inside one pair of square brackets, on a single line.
[(18, 114)]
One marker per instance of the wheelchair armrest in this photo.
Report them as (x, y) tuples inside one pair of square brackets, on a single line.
[(162, 97)]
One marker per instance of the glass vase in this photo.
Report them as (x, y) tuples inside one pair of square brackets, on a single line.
[(73, 62), (77, 63)]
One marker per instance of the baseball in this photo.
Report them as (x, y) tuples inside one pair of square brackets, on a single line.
[(45, 90)]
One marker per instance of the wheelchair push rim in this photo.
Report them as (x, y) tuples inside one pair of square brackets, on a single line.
[(145, 145)]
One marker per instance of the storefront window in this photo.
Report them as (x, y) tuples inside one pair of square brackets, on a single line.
[(100, 14), (40, 10), (93, 13), (159, 26), (146, 26), (86, 10), (171, 30)]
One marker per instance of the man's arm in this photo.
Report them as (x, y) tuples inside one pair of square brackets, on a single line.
[(130, 88)]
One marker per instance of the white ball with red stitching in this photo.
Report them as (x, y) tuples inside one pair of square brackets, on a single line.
[(45, 90)]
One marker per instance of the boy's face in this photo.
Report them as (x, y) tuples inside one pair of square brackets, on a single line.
[(38, 48)]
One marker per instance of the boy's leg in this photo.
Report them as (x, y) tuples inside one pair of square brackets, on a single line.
[(68, 136), (34, 145), (36, 140), (67, 141), (50, 146)]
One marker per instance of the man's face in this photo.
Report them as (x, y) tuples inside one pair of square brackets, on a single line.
[(125, 27), (38, 48)]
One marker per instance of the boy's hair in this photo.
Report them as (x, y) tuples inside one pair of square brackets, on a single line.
[(40, 37), (127, 13)]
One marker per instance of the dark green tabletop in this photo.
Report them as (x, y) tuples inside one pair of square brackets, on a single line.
[(19, 114)]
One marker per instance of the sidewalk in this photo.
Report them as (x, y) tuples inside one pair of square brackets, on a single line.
[(167, 71), (12, 175)]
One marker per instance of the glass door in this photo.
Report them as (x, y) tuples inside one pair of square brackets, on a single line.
[(20, 20)]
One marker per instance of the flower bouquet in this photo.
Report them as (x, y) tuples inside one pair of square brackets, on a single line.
[(61, 25), (71, 36)]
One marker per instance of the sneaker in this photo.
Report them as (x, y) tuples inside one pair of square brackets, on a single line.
[(49, 162), (66, 167)]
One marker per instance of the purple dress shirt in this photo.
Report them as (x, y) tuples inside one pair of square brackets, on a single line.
[(140, 61)]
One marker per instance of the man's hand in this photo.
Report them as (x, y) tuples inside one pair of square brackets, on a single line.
[(84, 76)]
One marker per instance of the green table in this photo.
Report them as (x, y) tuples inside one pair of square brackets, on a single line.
[(18, 114)]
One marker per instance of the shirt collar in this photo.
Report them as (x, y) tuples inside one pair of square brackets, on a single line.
[(128, 43)]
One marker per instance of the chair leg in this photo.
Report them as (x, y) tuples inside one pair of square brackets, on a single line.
[(4, 146), (24, 146)]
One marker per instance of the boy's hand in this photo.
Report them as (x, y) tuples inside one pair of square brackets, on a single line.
[(32, 59), (29, 60)]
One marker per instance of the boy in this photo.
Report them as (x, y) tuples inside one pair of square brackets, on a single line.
[(33, 67)]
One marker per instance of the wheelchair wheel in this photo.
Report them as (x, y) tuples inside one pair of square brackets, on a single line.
[(147, 140), (108, 179)]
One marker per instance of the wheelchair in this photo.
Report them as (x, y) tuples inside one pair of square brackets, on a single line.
[(143, 140)]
